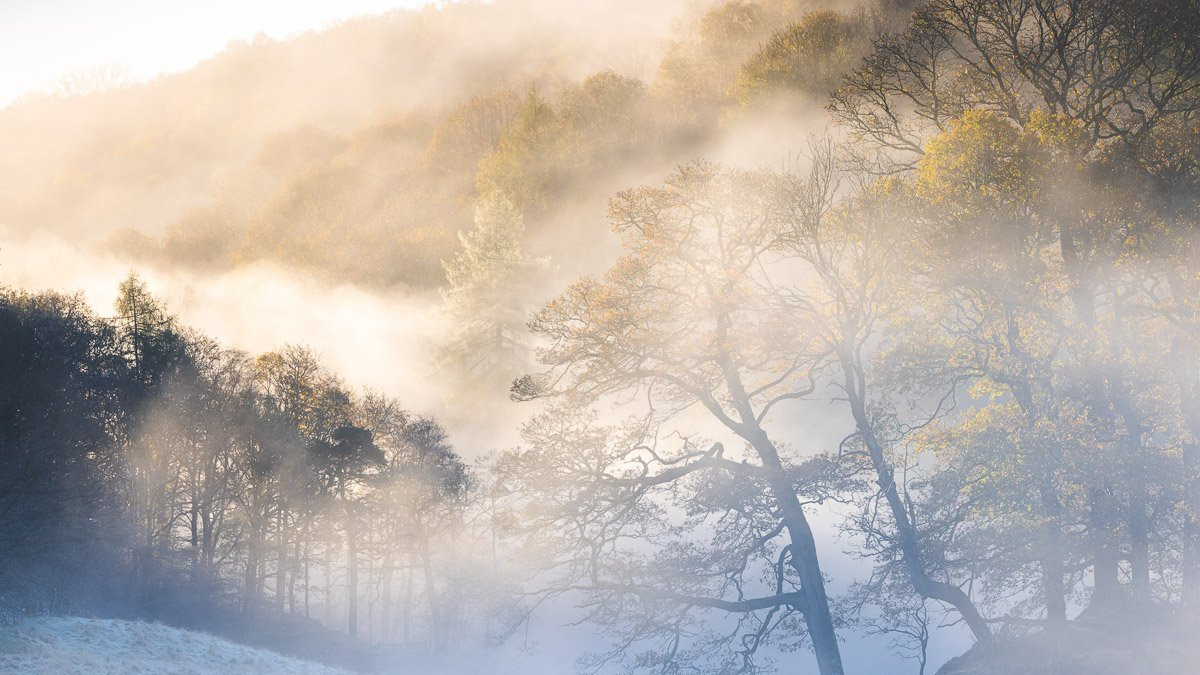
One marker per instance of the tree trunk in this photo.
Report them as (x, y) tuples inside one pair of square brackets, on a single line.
[(406, 628), (1188, 383), (1191, 515), (281, 555), (328, 609), (1053, 587), (206, 545), (1104, 559), (385, 609), (909, 541), (1137, 516), (1105, 582), (435, 614), (194, 531), (307, 571), (251, 579), (817, 617), (253, 560), (352, 575), (1139, 546), (1139, 534), (297, 555)]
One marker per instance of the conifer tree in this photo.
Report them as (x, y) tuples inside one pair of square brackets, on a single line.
[(489, 298)]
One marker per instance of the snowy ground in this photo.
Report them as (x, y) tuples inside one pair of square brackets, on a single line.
[(75, 646)]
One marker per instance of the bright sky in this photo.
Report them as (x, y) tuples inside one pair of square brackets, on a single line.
[(42, 40)]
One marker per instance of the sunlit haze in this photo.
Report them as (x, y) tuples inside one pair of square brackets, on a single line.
[(641, 337), (43, 41)]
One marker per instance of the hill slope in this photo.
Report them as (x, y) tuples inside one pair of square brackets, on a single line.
[(355, 154), (76, 646), (1129, 643)]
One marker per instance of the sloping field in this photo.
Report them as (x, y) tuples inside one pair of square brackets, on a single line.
[(76, 646)]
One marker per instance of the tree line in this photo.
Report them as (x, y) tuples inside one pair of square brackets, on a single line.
[(151, 472)]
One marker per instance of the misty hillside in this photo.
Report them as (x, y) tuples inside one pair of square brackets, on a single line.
[(77, 646), (704, 337), (355, 153)]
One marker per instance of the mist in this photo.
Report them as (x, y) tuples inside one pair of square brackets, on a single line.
[(704, 336)]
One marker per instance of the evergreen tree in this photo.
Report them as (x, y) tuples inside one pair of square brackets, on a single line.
[(489, 299)]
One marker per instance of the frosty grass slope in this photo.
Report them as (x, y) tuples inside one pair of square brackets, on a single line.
[(75, 646)]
